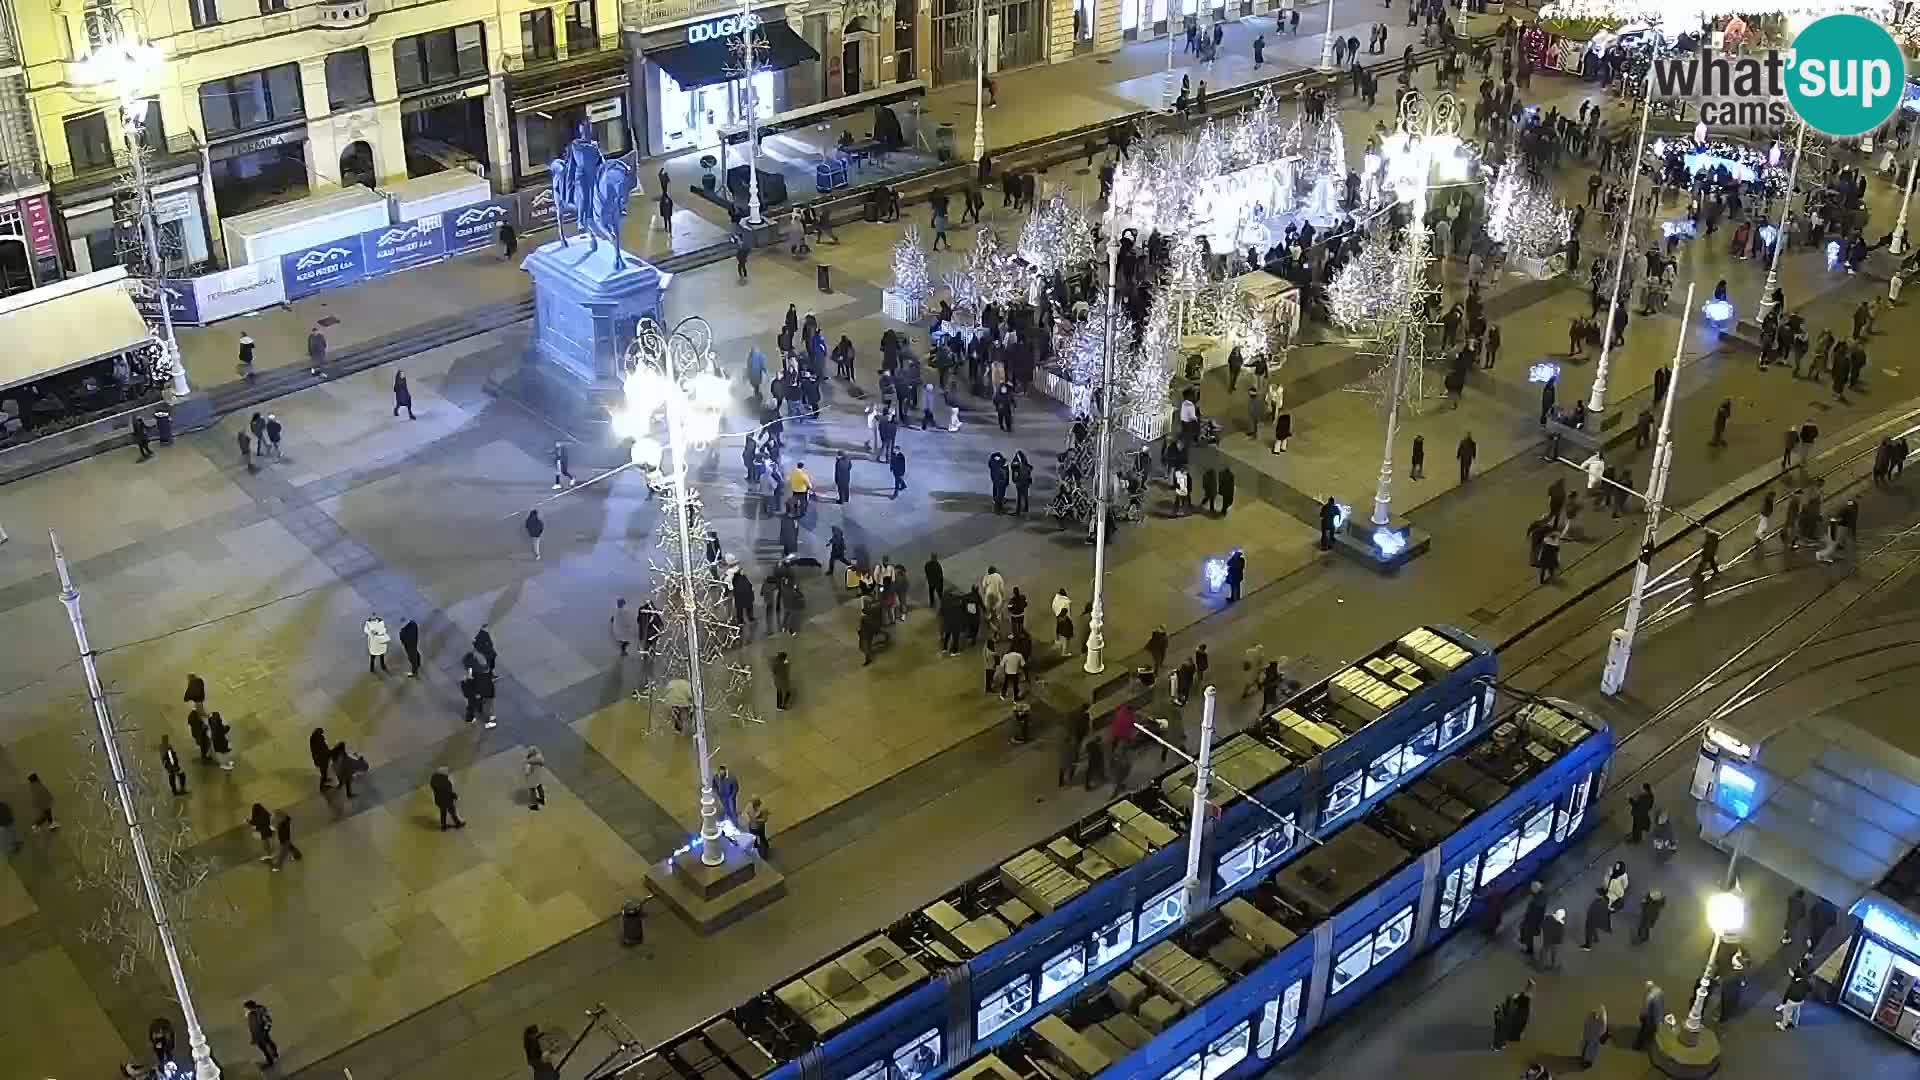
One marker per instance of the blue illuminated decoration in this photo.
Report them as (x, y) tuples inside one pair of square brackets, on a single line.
[(1545, 371), (1888, 925), (1342, 513), (1216, 574), (1767, 233), (1734, 790), (1719, 311), (1389, 542), (1670, 229), (1833, 254)]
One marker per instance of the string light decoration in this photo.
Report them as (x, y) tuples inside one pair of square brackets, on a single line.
[(993, 274), (1372, 291), (911, 281), (1690, 15), (1057, 238), (1526, 217)]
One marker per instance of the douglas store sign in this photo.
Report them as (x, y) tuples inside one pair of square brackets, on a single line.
[(722, 29)]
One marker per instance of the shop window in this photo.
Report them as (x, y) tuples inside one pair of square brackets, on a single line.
[(1500, 856), (1113, 940), (1353, 963), (349, 79), (1539, 825), (919, 1057), (1383, 772), (536, 34), (153, 133), (1449, 896), (1227, 1051), (256, 99), (1424, 744), (1061, 972), (89, 144), (440, 57), (583, 27), (1162, 912), (1186, 1070), (1008, 1004), (1341, 798), (904, 14), (1393, 935), (1457, 723)]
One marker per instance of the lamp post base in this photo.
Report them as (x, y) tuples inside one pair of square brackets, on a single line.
[(1385, 548), (710, 897), (1673, 1055)]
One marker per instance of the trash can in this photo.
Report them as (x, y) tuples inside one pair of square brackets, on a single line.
[(633, 923), (822, 277), (163, 424), (943, 142)]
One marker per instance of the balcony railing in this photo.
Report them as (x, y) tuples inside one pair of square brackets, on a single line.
[(178, 146)]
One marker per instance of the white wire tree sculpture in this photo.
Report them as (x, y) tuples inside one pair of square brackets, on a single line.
[(1527, 218), (911, 281)]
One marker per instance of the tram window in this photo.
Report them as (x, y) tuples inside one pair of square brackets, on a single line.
[(1342, 797), (1457, 723), (1469, 872), (1576, 805), (917, 1058), (875, 1071), (1383, 772), (1113, 940), (1353, 963), (1536, 830), (1500, 856), (1423, 745), (1008, 1004), (1186, 1070), (1162, 912), (1289, 1013), (1394, 935), (1269, 1020), (1062, 972), (1238, 865), (1228, 1050), (1449, 894)]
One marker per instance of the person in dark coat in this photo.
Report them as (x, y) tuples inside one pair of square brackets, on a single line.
[(444, 798), (402, 396), (322, 755), (1599, 919), (1236, 572), (196, 694), (1651, 905), (1226, 490), (197, 727), (218, 734), (1021, 471), (1329, 519), (998, 476), (1209, 488), (1796, 910), (1519, 1010), (410, 642), (1157, 648), (782, 671), (261, 821), (1653, 1009), (843, 476), (142, 439), (1465, 453), (1640, 806), (899, 464), (1553, 933), (483, 644), (1533, 917)]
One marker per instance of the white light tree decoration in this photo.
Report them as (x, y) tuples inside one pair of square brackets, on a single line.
[(1527, 218), (673, 375), (1057, 238), (911, 282), (993, 275)]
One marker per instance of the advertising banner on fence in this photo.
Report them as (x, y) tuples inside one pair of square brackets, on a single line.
[(308, 271), (538, 209), (238, 291), (178, 295), (476, 226), (409, 243)]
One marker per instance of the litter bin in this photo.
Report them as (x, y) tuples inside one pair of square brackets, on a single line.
[(823, 277), (943, 142), (163, 424), (633, 923)]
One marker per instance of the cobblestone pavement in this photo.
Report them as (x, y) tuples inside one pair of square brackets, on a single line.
[(397, 950)]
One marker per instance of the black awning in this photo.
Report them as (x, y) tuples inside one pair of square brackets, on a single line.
[(713, 61)]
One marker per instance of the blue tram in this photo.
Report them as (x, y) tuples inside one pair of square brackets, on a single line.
[(949, 983)]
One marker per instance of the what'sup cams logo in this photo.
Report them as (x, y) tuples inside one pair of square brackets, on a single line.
[(1844, 76)]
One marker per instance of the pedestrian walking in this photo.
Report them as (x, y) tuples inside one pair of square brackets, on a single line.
[(260, 1032), (246, 356), (1709, 555), (1616, 889), (220, 735), (899, 466), (560, 469), (346, 766), (41, 801), (509, 240), (1417, 470), (1519, 1011), (1640, 807), (272, 445), (1651, 905), (1236, 574), (1592, 1034), (483, 644), (535, 768), (755, 821), (1157, 648), (1720, 417), (1788, 1010), (141, 439), (1534, 917), (1465, 453), (445, 798), (322, 754), (1653, 1009), (1553, 933), (246, 450), (1013, 665), (316, 350), (197, 727), (170, 761), (726, 791), (843, 477), (375, 631), (262, 824), (1329, 522), (782, 671), (1796, 910), (283, 834), (1599, 919), (402, 395)]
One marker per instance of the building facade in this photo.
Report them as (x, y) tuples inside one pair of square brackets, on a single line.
[(29, 252)]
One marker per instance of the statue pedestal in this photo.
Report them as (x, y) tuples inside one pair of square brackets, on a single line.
[(587, 305)]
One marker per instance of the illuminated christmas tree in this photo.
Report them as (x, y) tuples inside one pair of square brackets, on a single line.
[(1526, 217)]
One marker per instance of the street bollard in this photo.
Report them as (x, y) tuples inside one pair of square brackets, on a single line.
[(633, 923)]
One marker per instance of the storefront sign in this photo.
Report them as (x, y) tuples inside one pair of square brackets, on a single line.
[(1888, 925), (236, 147), (409, 243), (38, 218), (177, 295), (721, 29), (599, 112), (443, 97), (237, 291), (308, 271), (476, 226)]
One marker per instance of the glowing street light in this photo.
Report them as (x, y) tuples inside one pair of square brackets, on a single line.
[(1726, 917), (675, 372)]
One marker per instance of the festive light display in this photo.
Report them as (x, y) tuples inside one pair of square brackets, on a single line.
[(910, 279), (1057, 238), (1373, 290), (1526, 217), (1690, 15)]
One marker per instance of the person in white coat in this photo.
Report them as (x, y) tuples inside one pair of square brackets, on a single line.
[(375, 628), (536, 768)]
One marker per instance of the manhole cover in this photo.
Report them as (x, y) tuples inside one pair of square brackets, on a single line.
[(330, 320)]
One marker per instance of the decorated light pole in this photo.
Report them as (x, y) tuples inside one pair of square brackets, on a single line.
[(1326, 44), (1780, 236), (748, 50), (979, 80), (1898, 245), (1166, 90), (1597, 395), (1103, 449), (675, 372)]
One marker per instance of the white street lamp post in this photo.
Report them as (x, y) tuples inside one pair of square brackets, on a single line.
[(1620, 645), (1597, 395), (979, 80), (1103, 448), (1726, 916), (1326, 45), (1780, 237), (675, 372), (747, 47), (1898, 245), (1202, 779), (204, 1067), (1173, 29)]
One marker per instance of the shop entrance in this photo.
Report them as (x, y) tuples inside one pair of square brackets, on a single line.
[(356, 165), (262, 178), (16, 266), (1013, 35), (693, 118), (850, 67), (450, 136)]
